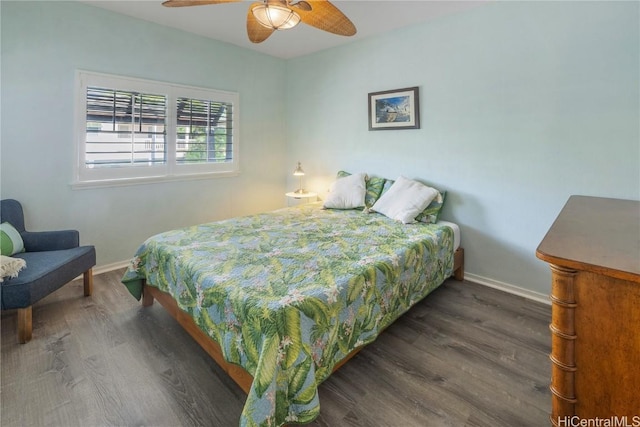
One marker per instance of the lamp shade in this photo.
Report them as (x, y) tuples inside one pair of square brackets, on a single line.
[(276, 16), (298, 171)]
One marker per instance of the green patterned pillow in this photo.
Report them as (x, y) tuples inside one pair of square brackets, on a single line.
[(374, 188), (387, 185), (10, 241), (431, 214)]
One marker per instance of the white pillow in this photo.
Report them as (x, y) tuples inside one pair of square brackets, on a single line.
[(404, 200), (347, 192)]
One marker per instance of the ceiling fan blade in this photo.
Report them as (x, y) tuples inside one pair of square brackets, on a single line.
[(181, 3), (256, 31), (325, 16)]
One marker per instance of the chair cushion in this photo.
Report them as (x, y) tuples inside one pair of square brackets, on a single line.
[(45, 273)]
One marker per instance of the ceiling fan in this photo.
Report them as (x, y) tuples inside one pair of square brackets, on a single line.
[(266, 16)]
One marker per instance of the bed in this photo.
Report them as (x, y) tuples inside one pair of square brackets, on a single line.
[(281, 299)]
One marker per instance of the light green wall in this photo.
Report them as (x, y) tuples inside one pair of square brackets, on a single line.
[(43, 43), (522, 105)]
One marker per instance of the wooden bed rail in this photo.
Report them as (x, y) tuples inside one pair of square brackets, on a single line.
[(236, 372)]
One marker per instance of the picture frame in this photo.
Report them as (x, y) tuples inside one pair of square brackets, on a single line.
[(394, 109)]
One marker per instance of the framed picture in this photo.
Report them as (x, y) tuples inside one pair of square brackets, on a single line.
[(394, 109)]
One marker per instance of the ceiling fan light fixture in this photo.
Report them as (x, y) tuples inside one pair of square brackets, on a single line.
[(275, 16)]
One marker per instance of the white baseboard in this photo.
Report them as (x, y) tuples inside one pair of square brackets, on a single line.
[(110, 267), (506, 287), (496, 284)]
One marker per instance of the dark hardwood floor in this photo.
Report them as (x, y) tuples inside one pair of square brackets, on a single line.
[(467, 355)]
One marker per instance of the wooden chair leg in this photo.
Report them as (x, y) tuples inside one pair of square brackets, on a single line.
[(88, 282), (25, 325)]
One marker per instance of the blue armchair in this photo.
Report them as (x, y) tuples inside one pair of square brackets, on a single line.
[(53, 259)]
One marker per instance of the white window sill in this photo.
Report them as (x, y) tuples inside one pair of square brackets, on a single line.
[(105, 183)]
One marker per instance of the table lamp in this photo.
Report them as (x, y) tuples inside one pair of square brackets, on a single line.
[(299, 172)]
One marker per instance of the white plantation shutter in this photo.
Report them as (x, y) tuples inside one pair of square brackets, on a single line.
[(204, 131), (124, 128), (139, 130)]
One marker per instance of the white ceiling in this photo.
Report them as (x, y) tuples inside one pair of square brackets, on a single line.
[(226, 22)]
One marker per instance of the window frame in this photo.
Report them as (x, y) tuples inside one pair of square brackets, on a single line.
[(171, 170)]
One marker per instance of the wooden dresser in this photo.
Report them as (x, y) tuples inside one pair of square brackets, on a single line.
[(593, 248)]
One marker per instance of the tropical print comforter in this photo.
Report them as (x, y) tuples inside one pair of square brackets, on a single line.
[(288, 294)]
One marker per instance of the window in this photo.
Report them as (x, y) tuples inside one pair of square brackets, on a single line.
[(204, 132), (133, 130)]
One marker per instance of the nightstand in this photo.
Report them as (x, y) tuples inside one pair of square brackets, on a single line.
[(307, 197)]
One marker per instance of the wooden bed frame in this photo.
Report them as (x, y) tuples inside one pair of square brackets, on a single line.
[(236, 372)]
